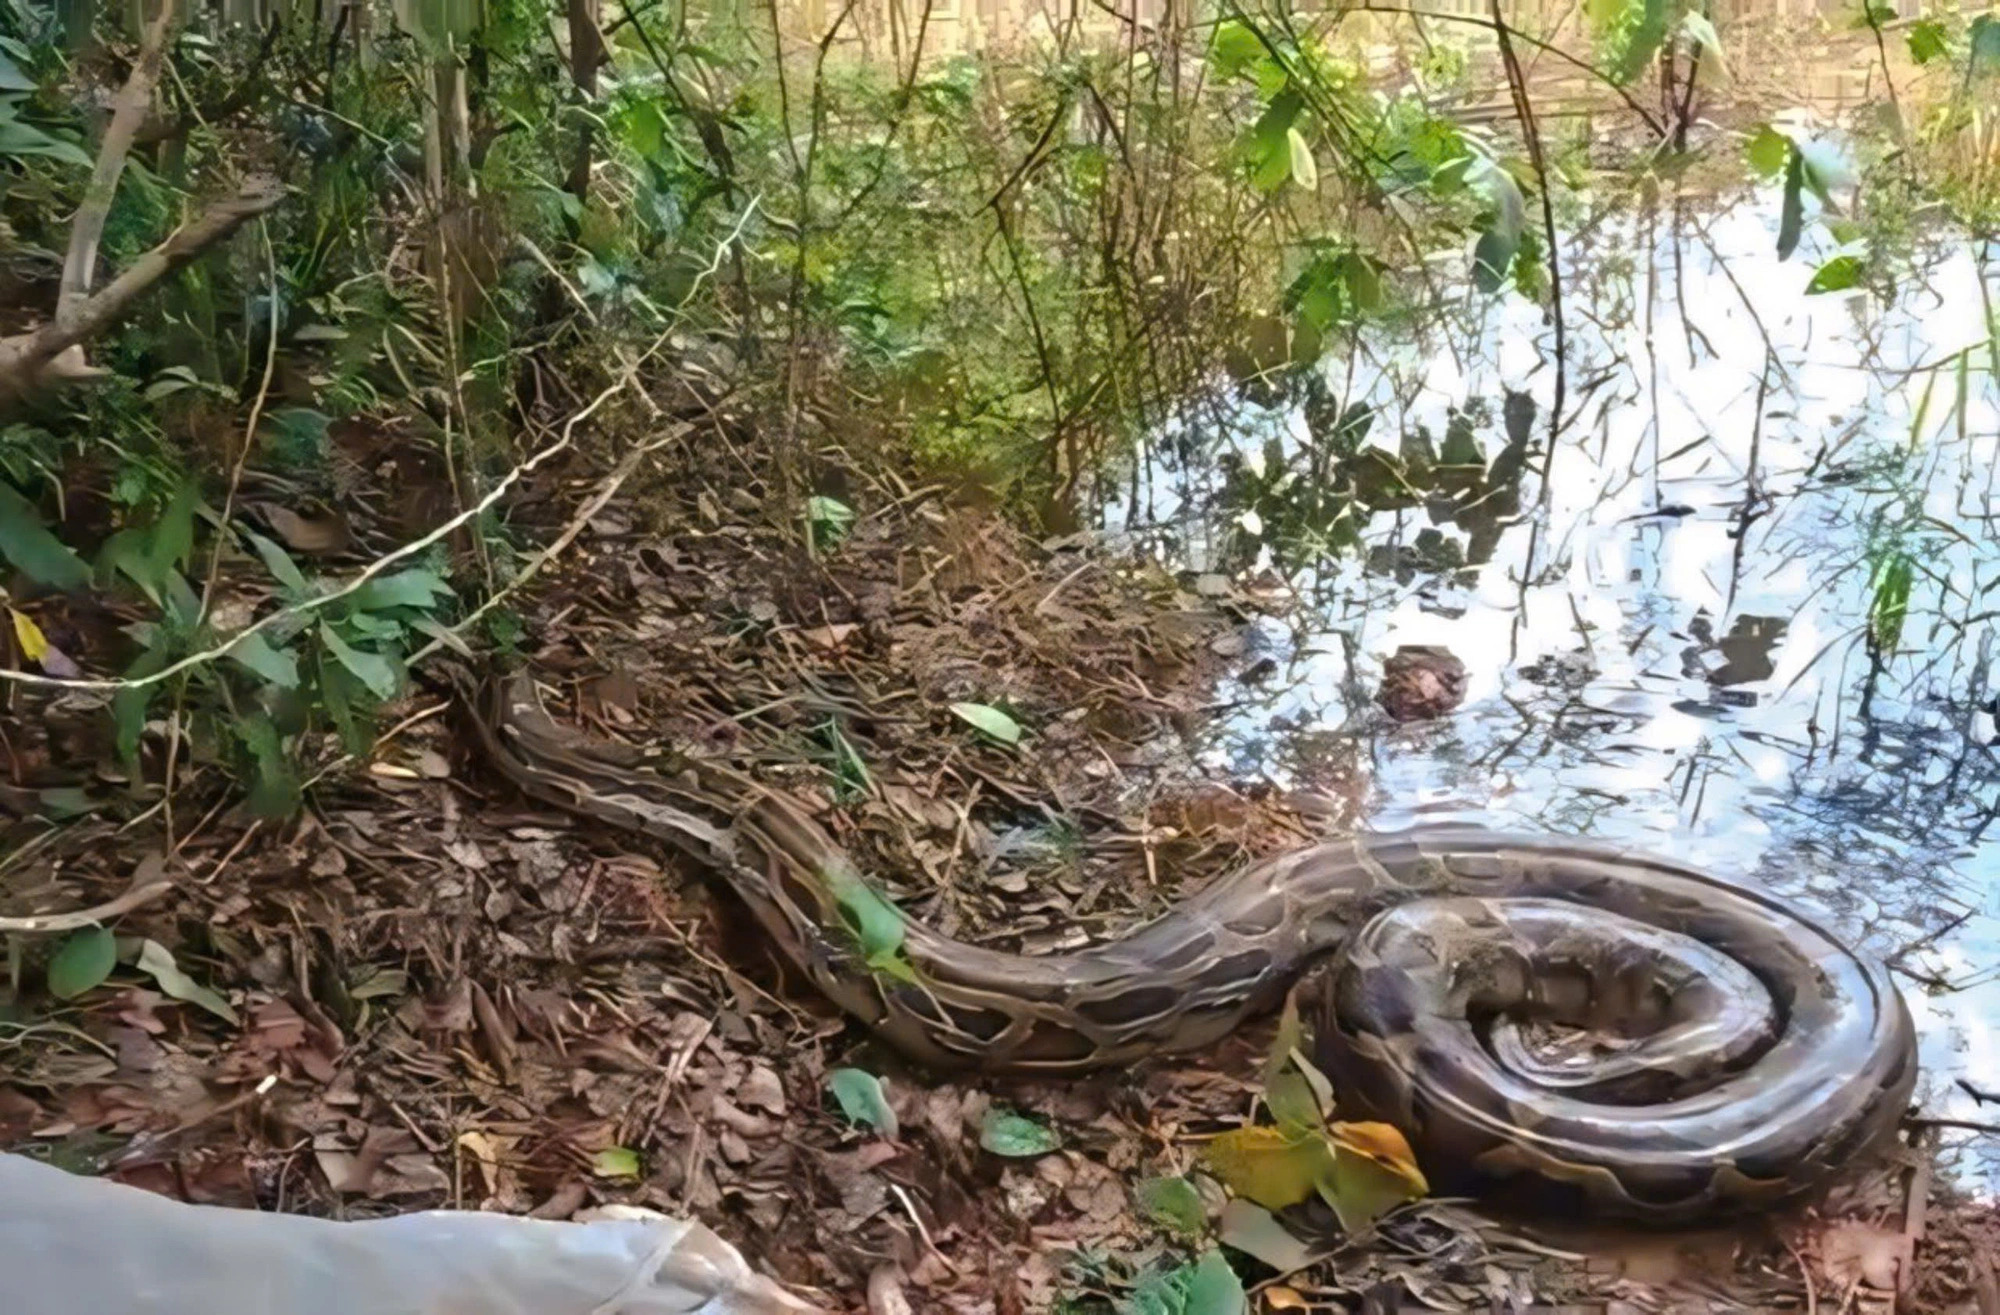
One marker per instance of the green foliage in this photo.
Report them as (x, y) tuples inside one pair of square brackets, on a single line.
[(1172, 1203), (862, 1100), (1889, 600), (1017, 1136), (83, 962), (988, 721), (1629, 33)]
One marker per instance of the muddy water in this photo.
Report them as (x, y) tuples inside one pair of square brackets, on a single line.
[(1666, 643)]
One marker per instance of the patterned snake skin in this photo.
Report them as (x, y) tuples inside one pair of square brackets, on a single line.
[(1548, 1017)]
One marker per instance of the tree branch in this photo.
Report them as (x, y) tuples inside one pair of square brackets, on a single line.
[(128, 115), (28, 361)]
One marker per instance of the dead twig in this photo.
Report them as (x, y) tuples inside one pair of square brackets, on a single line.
[(149, 882)]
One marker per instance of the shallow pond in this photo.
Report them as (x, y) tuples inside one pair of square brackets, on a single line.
[(1668, 643)]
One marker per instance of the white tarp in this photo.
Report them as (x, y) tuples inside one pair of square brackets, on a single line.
[(82, 1246)]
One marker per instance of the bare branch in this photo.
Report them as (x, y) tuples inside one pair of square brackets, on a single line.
[(128, 115), (29, 360)]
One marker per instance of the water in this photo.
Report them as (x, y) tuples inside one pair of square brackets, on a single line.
[(1672, 649)]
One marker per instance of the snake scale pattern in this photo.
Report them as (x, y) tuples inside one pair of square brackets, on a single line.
[(1549, 1021)]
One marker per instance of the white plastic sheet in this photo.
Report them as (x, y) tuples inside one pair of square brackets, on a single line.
[(82, 1246)]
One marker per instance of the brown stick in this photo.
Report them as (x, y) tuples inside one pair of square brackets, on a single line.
[(149, 882), (128, 115), (25, 358)]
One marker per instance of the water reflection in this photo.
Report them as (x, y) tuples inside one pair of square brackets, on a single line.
[(1668, 642)]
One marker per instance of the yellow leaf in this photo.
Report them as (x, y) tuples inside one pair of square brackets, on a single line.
[(34, 644), (1384, 1145), (1372, 1173), (1272, 1166), (1280, 1297)]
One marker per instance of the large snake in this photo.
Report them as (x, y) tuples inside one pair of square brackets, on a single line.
[(1620, 1031)]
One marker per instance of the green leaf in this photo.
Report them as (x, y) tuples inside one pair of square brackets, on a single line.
[(615, 1162), (1270, 161), (172, 536), (1292, 1102), (157, 961), (371, 669), (1364, 281), (129, 704), (1361, 1189), (1304, 171), (1983, 45), (18, 140), (11, 76), (860, 1096), (341, 691), (877, 925), (1702, 32), (1171, 1203), (418, 589), (1791, 218), (1215, 1289), (1890, 604), (274, 786), (1837, 275), (1634, 30), (255, 652), (1823, 168), (296, 435), (35, 552), (828, 520), (1927, 40), (279, 563), (62, 802), (1254, 1231), (1234, 48), (1769, 151), (1160, 1292), (86, 958), (1270, 144), (850, 770), (1494, 254), (988, 721), (1875, 13), (1492, 257), (1004, 1132)]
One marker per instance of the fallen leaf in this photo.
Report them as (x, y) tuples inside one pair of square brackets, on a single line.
[(86, 958), (989, 721), (1172, 1203), (829, 638), (860, 1097), (1271, 1166), (1251, 1229), (1280, 1297), (34, 645), (762, 1090), (156, 960), (1373, 1173), (1004, 1132), (1216, 1290), (1384, 1145), (615, 1162)]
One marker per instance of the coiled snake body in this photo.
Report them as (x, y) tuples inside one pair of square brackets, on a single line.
[(1619, 1030)]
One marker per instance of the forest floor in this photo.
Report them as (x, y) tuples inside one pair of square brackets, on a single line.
[(439, 994)]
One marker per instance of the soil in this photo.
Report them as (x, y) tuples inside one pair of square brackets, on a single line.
[(442, 995)]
